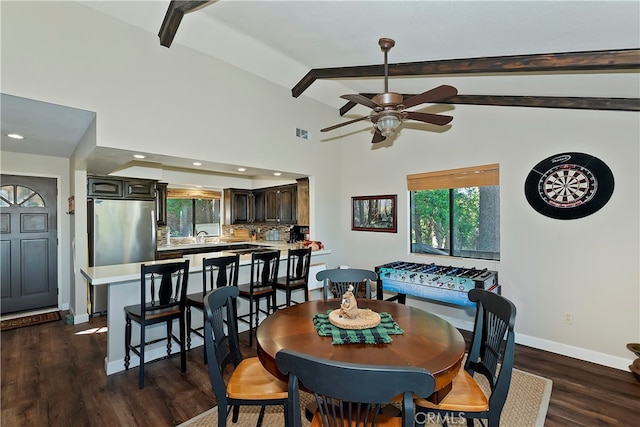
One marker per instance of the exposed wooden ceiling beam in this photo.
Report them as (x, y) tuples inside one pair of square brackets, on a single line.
[(603, 60), (173, 17), (575, 103)]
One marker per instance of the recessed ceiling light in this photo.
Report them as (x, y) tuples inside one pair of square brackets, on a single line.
[(15, 136), (277, 173), (197, 164), (242, 169), (139, 156)]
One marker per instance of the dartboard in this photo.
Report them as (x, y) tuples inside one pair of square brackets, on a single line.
[(569, 185)]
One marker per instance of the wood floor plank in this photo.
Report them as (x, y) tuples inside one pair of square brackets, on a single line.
[(53, 375)]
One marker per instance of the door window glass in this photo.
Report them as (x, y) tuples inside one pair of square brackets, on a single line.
[(21, 196)]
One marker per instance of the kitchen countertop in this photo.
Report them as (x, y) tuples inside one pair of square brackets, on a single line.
[(106, 274), (271, 243)]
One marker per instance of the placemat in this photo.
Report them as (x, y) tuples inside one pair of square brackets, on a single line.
[(378, 335)]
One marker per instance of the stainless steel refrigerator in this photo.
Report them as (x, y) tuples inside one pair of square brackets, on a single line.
[(120, 232)]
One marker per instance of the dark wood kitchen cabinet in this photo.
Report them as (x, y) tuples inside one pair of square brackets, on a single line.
[(265, 205), (271, 201), (285, 204), (104, 187), (281, 204), (139, 189), (288, 204), (161, 203), (120, 188), (259, 205), (239, 206)]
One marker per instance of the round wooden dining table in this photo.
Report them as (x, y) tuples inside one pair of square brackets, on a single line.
[(428, 341)]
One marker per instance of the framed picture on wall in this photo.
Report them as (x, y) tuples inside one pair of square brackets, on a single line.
[(374, 213)]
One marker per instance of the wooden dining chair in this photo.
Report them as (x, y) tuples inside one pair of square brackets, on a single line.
[(352, 394), (216, 272), (491, 355), (297, 275), (249, 383), (261, 286), (337, 282), (167, 286)]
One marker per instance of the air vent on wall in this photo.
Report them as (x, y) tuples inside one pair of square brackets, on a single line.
[(301, 133)]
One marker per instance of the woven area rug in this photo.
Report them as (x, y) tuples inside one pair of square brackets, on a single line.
[(32, 319), (526, 406)]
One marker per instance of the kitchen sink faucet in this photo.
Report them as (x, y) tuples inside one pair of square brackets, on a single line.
[(200, 236)]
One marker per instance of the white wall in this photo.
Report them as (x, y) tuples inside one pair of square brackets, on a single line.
[(179, 102), (588, 266), (175, 102)]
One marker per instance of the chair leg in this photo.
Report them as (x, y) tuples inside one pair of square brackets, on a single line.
[(261, 416), (183, 350), (288, 296), (169, 338), (494, 419), (141, 366), (188, 315), (258, 311), (127, 343), (251, 302), (205, 338)]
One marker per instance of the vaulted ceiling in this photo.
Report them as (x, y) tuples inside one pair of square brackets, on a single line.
[(487, 48), (560, 54)]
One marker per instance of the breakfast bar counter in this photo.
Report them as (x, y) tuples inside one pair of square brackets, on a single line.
[(123, 281)]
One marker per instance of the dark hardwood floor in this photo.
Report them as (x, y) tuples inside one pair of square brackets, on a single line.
[(53, 375)]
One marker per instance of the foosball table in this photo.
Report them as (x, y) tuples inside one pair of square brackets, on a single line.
[(433, 282)]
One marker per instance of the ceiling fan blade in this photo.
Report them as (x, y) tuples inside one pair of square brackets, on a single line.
[(377, 137), (361, 99), (344, 124), (435, 94), (435, 119)]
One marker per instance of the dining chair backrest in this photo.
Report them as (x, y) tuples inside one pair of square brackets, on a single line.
[(297, 275), (298, 264), (351, 391), (221, 338), (337, 281), (166, 284), (220, 271), (264, 269), (493, 344)]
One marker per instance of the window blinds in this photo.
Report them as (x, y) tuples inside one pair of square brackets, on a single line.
[(475, 176), (185, 193)]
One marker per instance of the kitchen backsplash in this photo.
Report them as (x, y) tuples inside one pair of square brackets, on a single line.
[(263, 232), (272, 233)]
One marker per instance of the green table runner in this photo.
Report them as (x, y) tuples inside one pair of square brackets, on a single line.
[(378, 335)]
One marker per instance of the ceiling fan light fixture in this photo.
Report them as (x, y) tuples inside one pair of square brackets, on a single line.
[(387, 125)]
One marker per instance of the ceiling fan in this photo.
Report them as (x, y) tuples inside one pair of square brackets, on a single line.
[(389, 108)]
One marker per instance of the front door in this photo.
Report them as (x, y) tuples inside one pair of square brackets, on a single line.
[(29, 243)]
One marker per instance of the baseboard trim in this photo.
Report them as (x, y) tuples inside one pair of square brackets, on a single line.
[(558, 348)]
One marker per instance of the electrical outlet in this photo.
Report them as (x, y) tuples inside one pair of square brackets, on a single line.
[(568, 317)]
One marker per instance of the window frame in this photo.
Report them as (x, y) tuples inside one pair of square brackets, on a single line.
[(452, 179), (194, 196)]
